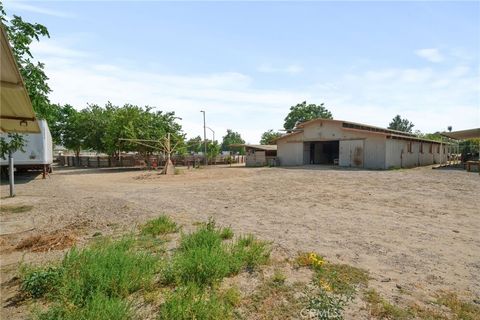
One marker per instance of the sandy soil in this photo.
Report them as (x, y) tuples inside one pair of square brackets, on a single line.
[(416, 231)]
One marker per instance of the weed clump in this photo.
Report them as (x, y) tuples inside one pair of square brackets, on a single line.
[(37, 282), (94, 280), (203, 259), (191, 302), (161, 225), (226, 233)]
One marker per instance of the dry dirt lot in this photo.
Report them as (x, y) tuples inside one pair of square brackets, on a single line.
[(417, 231)]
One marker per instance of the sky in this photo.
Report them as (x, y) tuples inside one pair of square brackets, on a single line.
[(247, 63)]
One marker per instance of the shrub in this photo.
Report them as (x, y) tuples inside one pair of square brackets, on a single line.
[(191, 302), (160, 225), (39, 281)]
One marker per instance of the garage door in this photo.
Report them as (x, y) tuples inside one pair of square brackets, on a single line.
[(351, 153)]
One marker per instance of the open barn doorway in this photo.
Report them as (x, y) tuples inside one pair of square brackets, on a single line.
[(321, 152)]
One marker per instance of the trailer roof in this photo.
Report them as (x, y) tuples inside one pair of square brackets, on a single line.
[(16, 112), (265, 147), (463, 134)]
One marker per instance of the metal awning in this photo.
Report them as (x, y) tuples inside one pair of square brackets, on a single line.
[(463, 134), (16, 110)]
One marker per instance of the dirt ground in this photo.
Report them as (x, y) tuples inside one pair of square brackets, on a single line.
[(416, 231)]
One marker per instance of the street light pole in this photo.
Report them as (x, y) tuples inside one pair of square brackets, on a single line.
[(212, 132), (205, 137)]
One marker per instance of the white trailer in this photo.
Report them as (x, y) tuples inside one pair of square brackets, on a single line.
[(37, 154)]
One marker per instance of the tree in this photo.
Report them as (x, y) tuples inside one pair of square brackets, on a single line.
[(73, 129), (213, 150), (195, 145), (400, 124), (268, 137), (232, 137), (303, 112), (13, 143)]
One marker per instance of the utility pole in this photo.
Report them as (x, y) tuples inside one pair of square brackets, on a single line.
[(205, 137), (212, 132), (11, 174)]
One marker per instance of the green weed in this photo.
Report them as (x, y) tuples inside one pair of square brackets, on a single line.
[(98, 307), (37, 282), (161, 225), (191, 302), (226, 233)]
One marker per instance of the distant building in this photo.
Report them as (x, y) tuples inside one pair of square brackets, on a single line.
[(350, 144), (257, 155)]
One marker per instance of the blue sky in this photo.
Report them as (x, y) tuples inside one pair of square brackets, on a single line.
[(246, 63)]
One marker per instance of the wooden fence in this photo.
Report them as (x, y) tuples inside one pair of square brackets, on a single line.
[(129, 160)]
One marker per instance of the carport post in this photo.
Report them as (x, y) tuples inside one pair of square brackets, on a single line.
[(10, 174)]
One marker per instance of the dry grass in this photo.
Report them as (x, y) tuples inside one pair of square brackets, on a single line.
[(6, 209), (57, 240)]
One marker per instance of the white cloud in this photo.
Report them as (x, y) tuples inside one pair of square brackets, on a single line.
[(291, 69), (21, 6), (431, 54), (432, 99)]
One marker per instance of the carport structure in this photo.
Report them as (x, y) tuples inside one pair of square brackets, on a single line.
[(464, 135), (16, 110)]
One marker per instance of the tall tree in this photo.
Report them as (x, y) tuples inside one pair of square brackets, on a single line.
[(268, 137), (303, 112), (73, 129), (400, 124), (232, 137)]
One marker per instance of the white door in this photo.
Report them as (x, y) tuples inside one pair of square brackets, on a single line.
[(351, 153)]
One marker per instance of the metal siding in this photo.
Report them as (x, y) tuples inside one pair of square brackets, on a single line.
[(290, 153), (398, 156), (351, 153)]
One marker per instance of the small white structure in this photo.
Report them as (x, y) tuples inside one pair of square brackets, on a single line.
[(38, 150), (349, 144)]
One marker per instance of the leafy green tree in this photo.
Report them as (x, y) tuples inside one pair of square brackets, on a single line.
[(213, 150), (12, 143), (400, 124), (232, 137), (303, 112), (195, 145), (268, 137), (73, 129), (429, 136)]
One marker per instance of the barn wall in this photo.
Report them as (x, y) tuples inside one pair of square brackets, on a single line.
[(397, 155), (290, 151), (374, 153)]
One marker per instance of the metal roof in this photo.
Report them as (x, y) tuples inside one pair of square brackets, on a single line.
[(348, 125), (265, 147), (463, 134), (16, 110)]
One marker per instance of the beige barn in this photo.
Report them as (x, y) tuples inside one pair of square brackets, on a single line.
[(350, 144)]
